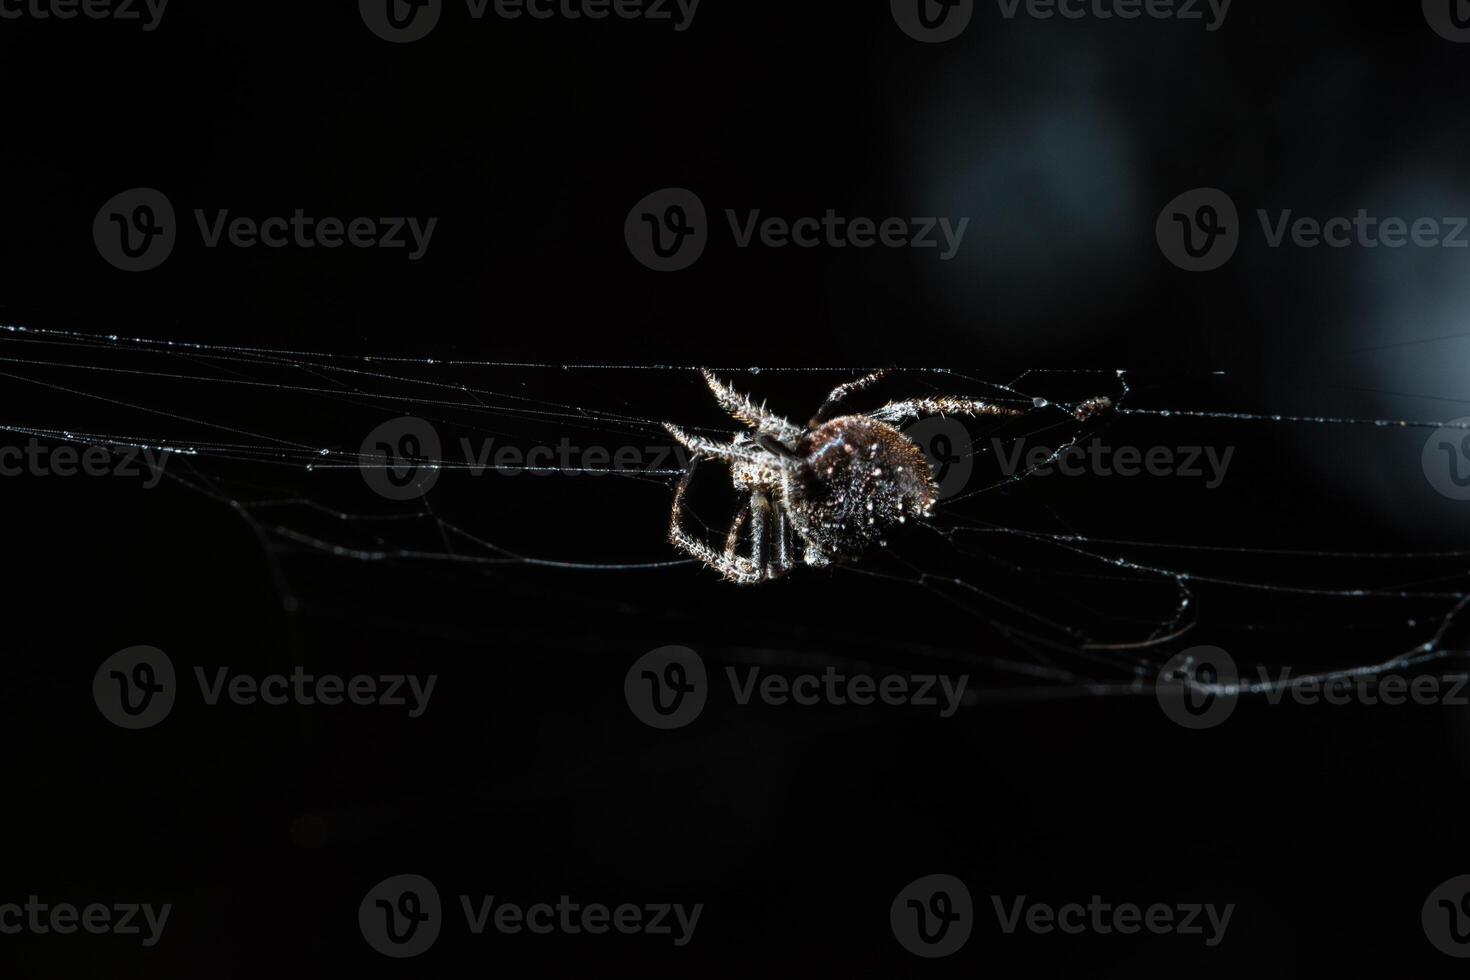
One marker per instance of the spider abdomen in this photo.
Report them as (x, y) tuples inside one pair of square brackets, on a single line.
[(858, 478)]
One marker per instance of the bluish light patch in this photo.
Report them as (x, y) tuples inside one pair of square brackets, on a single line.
[(1412, 331), (1057, 219), (1404, 350)]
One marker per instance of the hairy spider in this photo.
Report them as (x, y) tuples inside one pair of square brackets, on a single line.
[(835, 487)]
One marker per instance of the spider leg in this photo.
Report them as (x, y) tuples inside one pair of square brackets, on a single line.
[(842, 392), (758, 417), (732, 540), (781, 540), (914, 408), (734, 568), (760, 519), (763, 518), (700, 446)]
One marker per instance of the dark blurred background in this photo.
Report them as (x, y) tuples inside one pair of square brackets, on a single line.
[(1061, 140)]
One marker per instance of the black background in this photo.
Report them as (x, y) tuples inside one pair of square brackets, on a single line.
[(528, 778)]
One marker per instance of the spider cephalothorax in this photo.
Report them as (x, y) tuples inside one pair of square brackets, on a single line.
[(831, 490)]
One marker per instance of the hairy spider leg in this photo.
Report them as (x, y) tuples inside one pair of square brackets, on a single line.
[(915, 408), (764, 519), (760, 520), (733, 567), (742, 409), (758, 512), (700, 446), (781, 539), (841, 394), (732, 540)]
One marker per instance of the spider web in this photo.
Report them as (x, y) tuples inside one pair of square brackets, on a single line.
[(1068, 587)]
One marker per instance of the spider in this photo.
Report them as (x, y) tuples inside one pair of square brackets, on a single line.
[(833, 488)]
